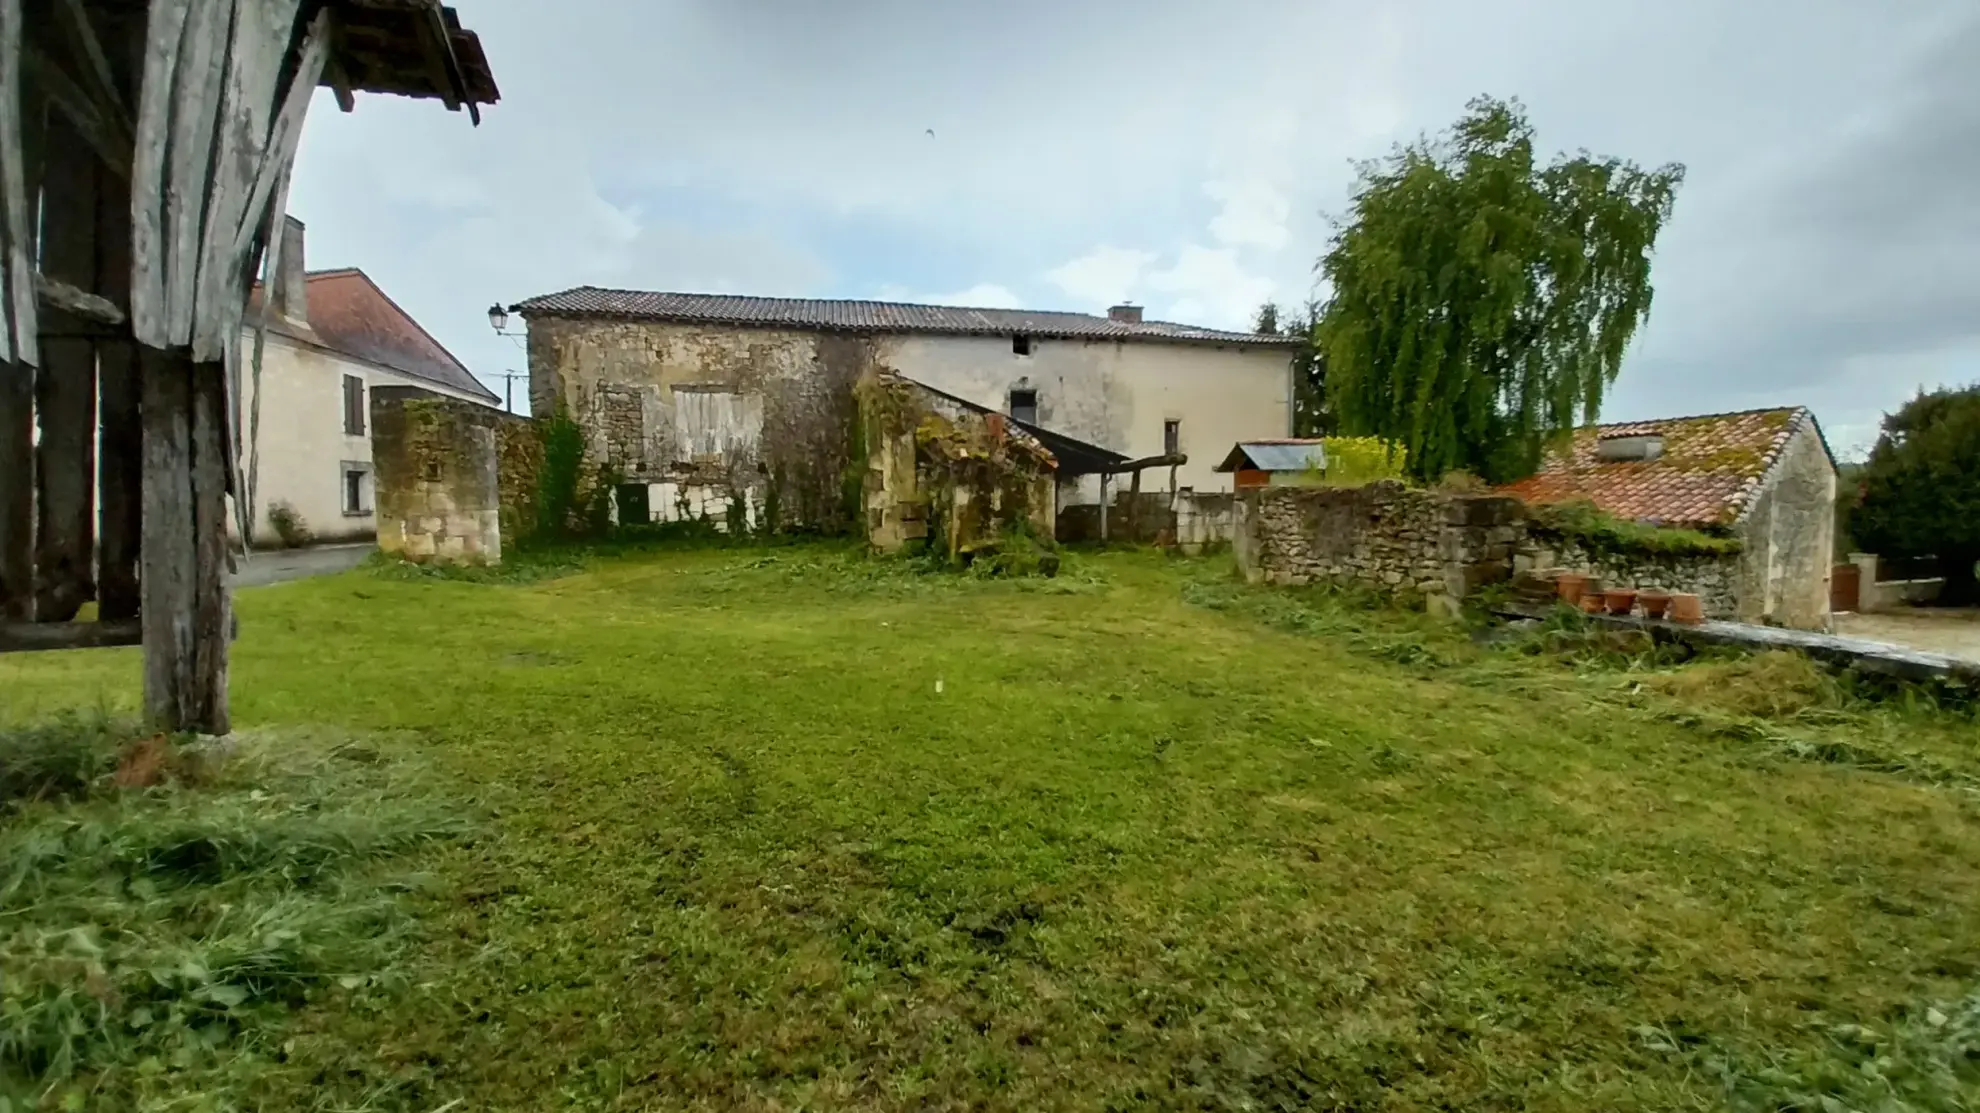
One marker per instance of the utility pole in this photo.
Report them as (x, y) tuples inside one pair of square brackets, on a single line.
[(508, 387)]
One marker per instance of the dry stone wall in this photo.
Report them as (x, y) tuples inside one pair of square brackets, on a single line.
[(1386, 536), (1439, 546), (1714, 579), (435, 472)]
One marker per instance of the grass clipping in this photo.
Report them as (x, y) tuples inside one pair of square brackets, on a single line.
[(163, 908)]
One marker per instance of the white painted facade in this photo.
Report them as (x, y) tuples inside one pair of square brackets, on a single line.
[(306, 454), (1120, 395)]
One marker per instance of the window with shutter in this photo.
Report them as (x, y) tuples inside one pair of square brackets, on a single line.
[(353, 405)]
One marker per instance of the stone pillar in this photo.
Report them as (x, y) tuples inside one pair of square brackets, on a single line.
[(436, 478)]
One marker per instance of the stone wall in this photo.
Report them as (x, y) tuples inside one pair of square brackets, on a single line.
[(704, 413), (945, 474), (436, 477), (1788, 534), (1426, 544), (1441, 547), (1714, 579)]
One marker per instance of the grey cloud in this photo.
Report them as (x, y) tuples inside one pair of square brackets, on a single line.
[(1822, 250)]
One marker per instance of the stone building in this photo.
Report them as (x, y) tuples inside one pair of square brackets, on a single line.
[(699, 397), (1765, 477), (334, 337)]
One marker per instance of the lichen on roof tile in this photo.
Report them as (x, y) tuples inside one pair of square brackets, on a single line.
[(1709, 470)]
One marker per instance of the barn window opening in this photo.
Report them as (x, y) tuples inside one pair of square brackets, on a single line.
[(1024, 405), (1021, 345), (1171, 437)]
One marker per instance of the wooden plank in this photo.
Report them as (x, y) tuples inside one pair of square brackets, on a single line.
[(16, 491), (17, 145), (212, 618), (19, 182), (195, 126), (31, 637), (165, 30), (286, 132), (184, 594), (65, 390), (260, 40), (120, 443), (121, 472)]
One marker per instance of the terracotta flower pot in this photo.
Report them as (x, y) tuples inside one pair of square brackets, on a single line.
[(1570, 585), (1621, 600), (1686, 608), (1591, 604), (1654, 603)]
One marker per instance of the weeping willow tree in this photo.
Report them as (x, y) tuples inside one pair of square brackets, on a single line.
[(1482, 302)]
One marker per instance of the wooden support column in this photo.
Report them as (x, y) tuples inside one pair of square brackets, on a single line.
[(21, 117), (16, 491), (119, 392), (186, 611), (65, 390)]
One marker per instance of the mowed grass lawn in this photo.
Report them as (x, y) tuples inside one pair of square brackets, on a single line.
[(780, 830)]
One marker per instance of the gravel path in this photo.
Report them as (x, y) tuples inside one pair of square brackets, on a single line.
[(1951, 631)]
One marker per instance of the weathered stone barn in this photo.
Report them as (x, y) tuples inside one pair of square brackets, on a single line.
[(1765, 477), (697, 396)]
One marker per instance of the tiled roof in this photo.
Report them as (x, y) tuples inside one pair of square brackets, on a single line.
[(870, 317), (350, 315), (1709, 471)]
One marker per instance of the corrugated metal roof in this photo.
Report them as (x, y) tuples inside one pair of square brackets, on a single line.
[(1278, 455), (872, 317)]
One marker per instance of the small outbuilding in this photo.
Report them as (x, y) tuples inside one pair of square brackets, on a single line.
[(1274, 463)]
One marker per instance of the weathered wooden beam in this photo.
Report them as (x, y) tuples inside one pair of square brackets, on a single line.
[(32, 637), (65, 389), (19, 153), (120, 443), (16, 491), (185, 610), (59, 295)]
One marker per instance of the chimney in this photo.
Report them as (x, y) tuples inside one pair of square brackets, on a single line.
[(1126, 314), (288, 294)]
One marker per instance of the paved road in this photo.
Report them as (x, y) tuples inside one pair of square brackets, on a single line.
[(296, 564), (1953, 631)]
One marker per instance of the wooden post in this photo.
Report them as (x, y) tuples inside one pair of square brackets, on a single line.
[(20, 177), (185, 611), (65, 390), (121, 440), (1103, 507), (1134, 508)]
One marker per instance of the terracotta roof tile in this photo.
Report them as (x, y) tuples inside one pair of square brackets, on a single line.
[(1710, 468), (349, 314), (871, 317)]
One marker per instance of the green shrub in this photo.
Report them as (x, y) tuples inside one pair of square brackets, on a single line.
[(1601, 534), (289, 526)]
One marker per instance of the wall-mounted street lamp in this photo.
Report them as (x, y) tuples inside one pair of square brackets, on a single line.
[(498, 319)]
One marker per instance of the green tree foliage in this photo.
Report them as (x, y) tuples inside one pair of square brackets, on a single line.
[(1311, 415), (1921, 488), (1481, 301)]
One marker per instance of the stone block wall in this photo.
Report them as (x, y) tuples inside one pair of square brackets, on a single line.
[(1436, 546), (435, 470), (1714, 579), (1442, 547)]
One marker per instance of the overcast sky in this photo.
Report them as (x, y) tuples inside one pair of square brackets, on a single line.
[(1825, 249)]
